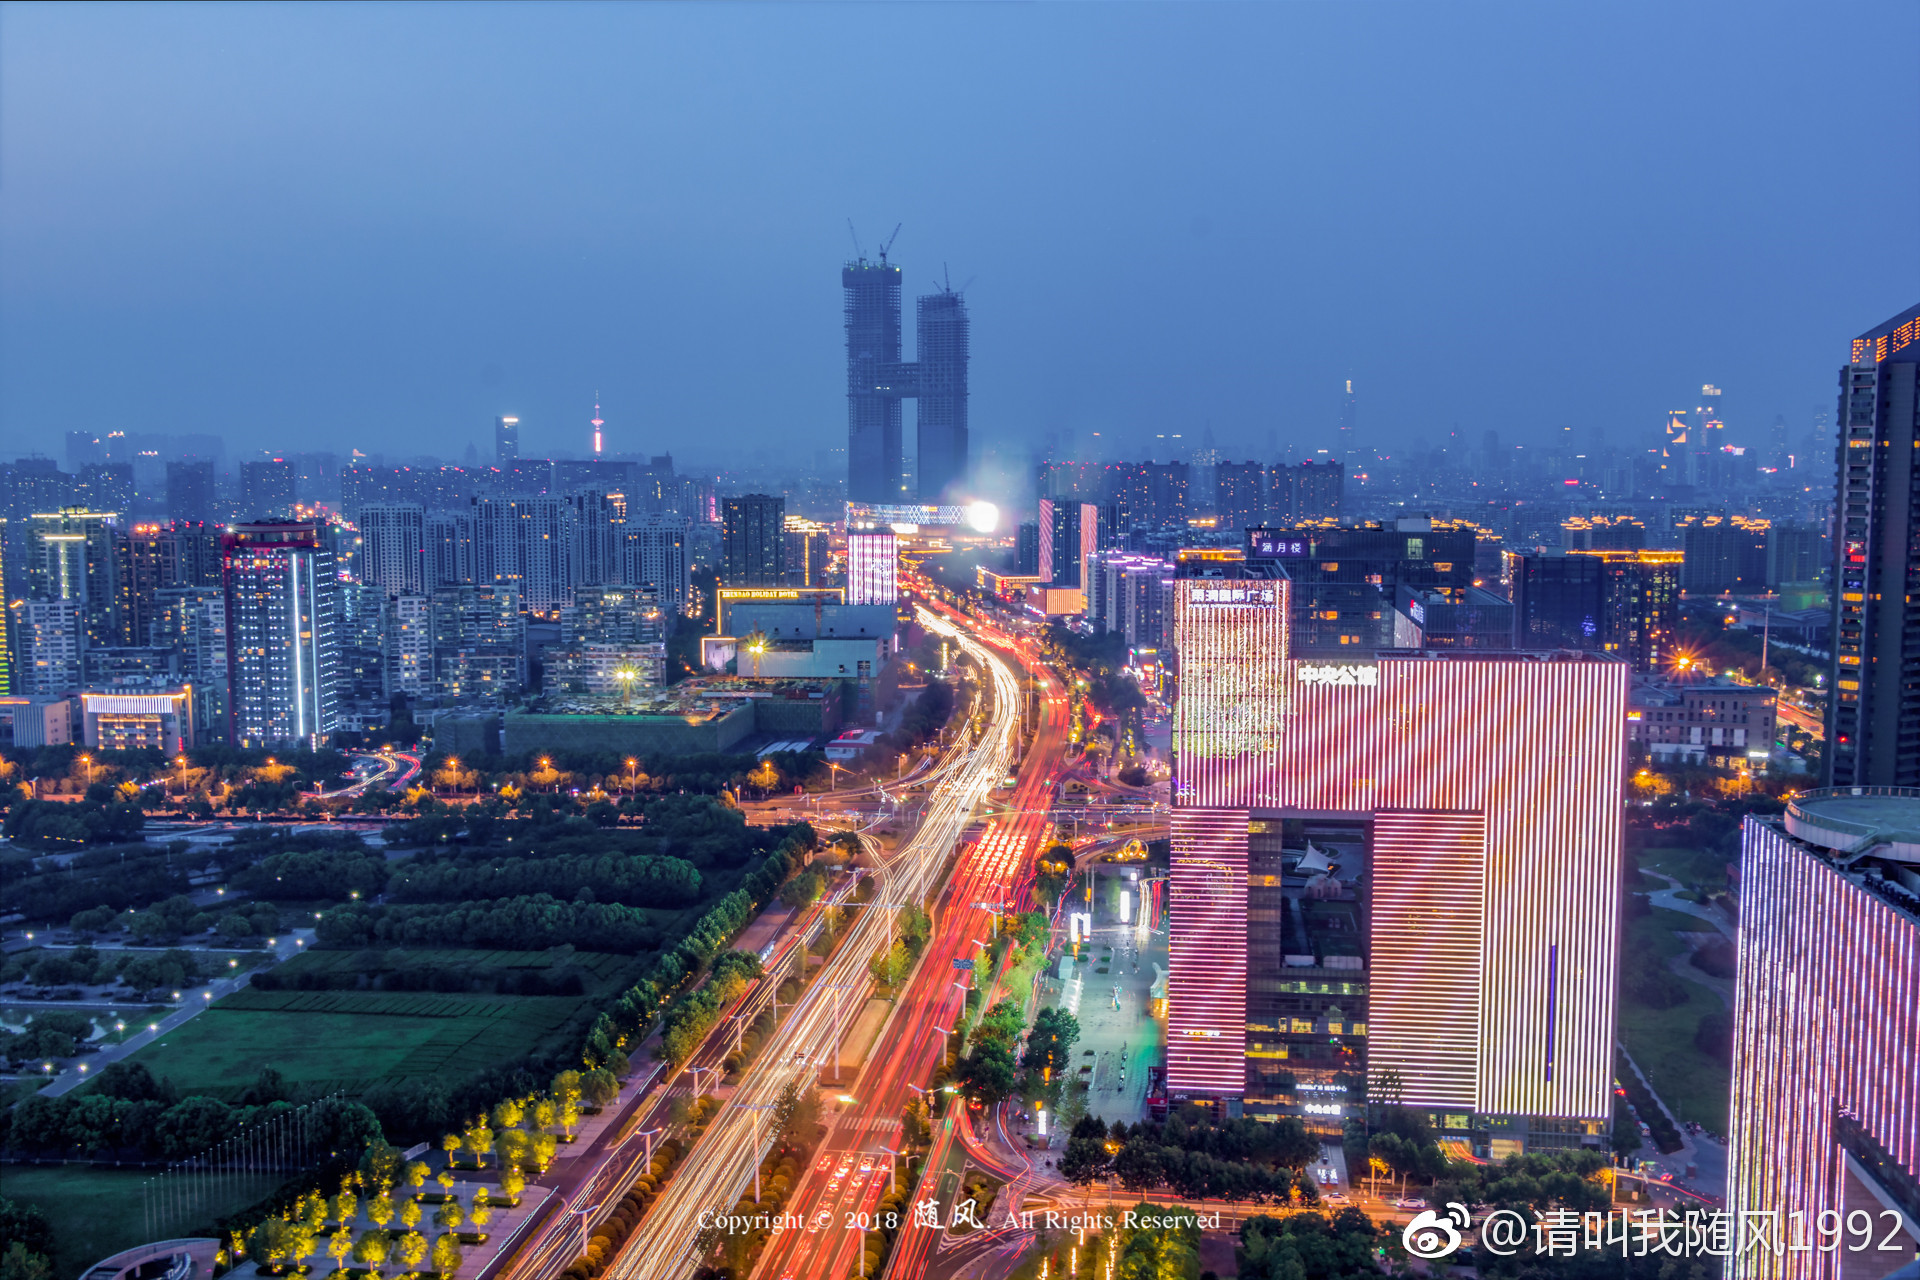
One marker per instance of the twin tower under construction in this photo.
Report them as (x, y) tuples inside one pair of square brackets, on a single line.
[(878, 380)]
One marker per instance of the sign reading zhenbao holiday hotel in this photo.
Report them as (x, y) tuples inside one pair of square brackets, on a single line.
[(1342, 674)]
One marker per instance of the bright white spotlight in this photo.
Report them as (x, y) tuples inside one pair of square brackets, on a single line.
[(982, 517)]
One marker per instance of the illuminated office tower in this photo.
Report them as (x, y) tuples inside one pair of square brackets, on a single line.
[(1873, 714), (809, 549), (753, 541), (1825, 1121), (283, 616), (393, 547), (873, 568), (1475, 800), (506, 442), (74, 554)]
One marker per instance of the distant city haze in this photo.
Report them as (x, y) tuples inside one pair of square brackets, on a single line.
[(383, 227)]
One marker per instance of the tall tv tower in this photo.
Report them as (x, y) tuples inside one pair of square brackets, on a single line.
[(597, 424)]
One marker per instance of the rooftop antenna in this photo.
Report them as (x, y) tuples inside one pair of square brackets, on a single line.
[(858, 252), (597, 424), (889, 244)]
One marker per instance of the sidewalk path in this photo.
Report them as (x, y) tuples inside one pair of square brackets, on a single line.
[(192, 1004)]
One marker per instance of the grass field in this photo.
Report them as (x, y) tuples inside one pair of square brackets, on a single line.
[(1693, 1085), (95, 1212), (603, 966), (348, 1039)]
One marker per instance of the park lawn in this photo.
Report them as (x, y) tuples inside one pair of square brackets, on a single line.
[(608, 970), (1693, 1085), (95, 1212), (1689, 866), (350, 1039)]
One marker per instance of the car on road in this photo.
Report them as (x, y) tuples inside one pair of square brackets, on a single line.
[(1410, 1203), (826, 1163), (866, 1164), (1337, 1197)]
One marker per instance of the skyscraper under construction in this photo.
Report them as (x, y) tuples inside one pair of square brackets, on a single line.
[(878, 380)]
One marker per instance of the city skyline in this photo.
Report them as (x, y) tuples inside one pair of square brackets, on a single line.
[(1130, 292)]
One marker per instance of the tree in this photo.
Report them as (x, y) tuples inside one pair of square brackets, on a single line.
[(600, 1087), (1138, 1164), (987, 1073), (512, 1183), (1053, 1036), (21, 1263), (1084, 1160), (339, 1245), (411, 1249), (380, 1209), (371, 1248), (446, 1255)]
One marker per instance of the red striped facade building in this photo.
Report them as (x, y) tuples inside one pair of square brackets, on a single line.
[(1485, 796)]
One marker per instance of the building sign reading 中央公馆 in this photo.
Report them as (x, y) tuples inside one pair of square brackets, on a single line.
[(1352, 676)]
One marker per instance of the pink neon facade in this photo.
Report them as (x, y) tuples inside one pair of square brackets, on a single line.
[(873, 568), (1495, 786), (1424, 975), (1207, 960), (1826, 1034)]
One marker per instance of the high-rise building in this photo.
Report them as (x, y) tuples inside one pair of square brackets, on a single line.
[(74, 554), (1475, 800), (1346, 580), (942, 345), (873, 568), (599, 538), (1824, 1135), (809, 548), (449, 550), (192, 620), (877, 381), (753, 544), (105, 486), (1620, 602), (410, 644), (1723, 554), (875, 461), (51, 636), (524, 545), (657, 558), (283, 645), (1060, 542), (190, 493), (1873, 713), (1240, 494), (1026, 553), (506, 441), (266, 489), (393, 549)]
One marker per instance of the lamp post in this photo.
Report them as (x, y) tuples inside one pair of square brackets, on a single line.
[(88, 762), (631, 784), (834, 777), (625, 676), (182, 762)]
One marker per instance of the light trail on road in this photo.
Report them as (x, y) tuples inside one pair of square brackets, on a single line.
[(666, 1245)]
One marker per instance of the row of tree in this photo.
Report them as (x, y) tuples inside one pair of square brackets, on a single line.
[(530, 922)]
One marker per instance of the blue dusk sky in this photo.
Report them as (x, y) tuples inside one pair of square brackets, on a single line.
[(378, 226)]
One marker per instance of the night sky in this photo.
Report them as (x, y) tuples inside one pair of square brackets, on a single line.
[(378, 227)]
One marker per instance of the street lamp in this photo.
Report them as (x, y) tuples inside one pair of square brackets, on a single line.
[(834, 776), (631, 763), (88, 762)]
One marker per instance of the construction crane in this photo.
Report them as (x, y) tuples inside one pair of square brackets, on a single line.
[(858, 252), (889, 243)]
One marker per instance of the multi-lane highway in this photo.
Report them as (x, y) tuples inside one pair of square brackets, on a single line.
[(668, 1243)]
